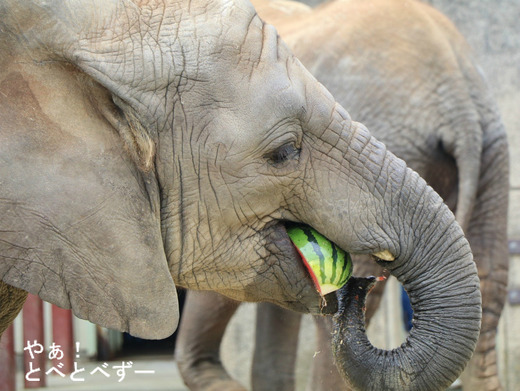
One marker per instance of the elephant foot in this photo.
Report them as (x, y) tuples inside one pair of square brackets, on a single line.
[(226, 385), (209, 376)]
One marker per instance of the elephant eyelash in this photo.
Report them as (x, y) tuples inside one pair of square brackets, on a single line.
[(283, 154)]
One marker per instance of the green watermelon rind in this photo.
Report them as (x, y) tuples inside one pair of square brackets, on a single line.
[(324, 257)]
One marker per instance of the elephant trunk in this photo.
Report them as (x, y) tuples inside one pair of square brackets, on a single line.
[(437, 270)]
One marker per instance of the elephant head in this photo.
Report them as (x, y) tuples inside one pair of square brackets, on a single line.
[(154, 142)]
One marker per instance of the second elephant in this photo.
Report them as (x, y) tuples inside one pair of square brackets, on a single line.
[(403, 69)]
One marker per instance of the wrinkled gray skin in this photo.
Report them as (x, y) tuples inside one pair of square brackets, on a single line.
[(389, 63), (148, 144)]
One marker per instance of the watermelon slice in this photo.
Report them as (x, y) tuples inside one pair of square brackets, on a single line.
[(329, 266)]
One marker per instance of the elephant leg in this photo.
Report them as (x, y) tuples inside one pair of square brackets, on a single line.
[(276, 344), (364, 267), (324, 375), (11, 303), (487, 234), (197, 352), (373, 300)]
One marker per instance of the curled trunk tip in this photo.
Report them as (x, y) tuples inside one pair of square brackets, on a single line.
[(424, 362)]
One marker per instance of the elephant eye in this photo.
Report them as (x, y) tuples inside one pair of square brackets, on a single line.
[(284, 153)]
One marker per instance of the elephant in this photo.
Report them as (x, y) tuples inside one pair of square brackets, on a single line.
[(149, 145), (389, 62)]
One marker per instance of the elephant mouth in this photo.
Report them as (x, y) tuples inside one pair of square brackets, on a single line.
[(283, 249), (310, 297)]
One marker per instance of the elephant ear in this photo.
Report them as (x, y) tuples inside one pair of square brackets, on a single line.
[(80, 221)]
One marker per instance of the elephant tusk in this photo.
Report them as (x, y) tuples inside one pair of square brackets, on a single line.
[(384, 255)]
